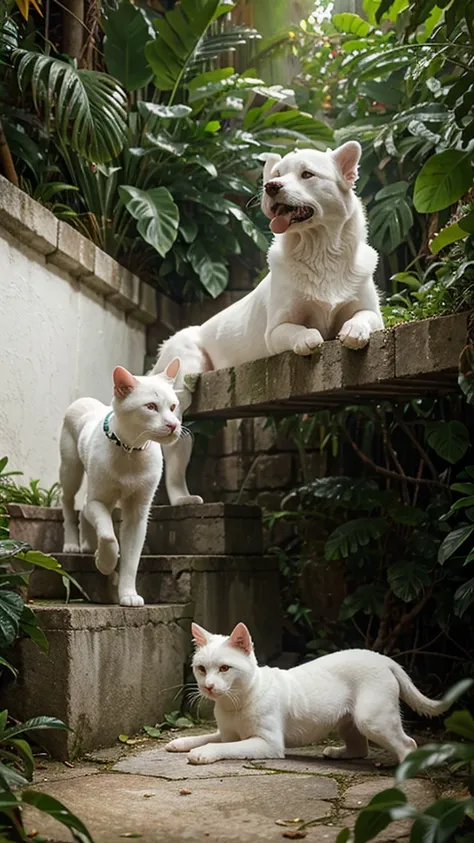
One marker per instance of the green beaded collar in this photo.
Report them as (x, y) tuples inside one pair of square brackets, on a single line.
[(113, 438)]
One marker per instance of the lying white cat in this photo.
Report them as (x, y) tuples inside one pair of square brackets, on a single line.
[(320, 285), (118, 448), (262, 710)]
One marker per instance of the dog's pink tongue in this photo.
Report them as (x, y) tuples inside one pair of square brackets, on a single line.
[(281, 223)]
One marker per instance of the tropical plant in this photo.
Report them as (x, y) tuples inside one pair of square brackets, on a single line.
[(448, 818), (33, 493), (400, 535)]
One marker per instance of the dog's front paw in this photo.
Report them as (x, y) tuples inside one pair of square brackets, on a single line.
[(131, 598), (203, 755), (308, 343), (178, 745), (354, 334)]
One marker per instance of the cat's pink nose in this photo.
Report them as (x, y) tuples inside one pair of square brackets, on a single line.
[(209, 686), (171, 426)]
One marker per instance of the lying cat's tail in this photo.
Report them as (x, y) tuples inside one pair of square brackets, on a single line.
[(414, 698)]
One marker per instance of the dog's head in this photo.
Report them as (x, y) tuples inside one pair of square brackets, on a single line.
[(307, 187)]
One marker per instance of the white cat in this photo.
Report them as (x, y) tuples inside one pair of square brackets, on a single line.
[(118, 448), (320, 284), (262, 710)]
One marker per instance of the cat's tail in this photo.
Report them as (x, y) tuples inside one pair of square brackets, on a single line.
[(185, 344), (414, 698)]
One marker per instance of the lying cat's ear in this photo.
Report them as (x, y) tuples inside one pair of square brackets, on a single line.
[(124, 382), (271, 159), (347, 158), (172, 370), (200, 635), (240, 638)]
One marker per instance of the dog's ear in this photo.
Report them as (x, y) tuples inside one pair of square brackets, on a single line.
[(347, 158), (271, 159)]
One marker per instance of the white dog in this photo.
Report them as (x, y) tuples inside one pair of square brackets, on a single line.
[(320, 284)]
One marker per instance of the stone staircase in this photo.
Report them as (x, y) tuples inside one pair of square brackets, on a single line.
[(111, 670)]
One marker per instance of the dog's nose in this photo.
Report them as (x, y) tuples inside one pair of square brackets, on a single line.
[(272, 187), (171, 426)]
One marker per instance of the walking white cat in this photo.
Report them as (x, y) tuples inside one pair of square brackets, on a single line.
[(260, 711), (119, 449), (320, 284)]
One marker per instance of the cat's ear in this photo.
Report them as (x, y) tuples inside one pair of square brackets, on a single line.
[(271, 159), (200, 635), (347, 158), (240, 638), (124, 382), (172, 370)]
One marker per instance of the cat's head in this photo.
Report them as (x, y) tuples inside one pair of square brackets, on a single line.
[(148, 405), (224, 665)]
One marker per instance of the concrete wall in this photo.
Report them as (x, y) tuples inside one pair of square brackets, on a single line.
[(68, 315)]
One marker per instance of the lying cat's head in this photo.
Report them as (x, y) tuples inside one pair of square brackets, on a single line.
[(224, 665), (147, 407)]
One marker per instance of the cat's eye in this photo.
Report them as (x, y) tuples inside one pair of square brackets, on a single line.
[(201, 668), (307, 174), (153, 407), (173, 408), (224, 668)]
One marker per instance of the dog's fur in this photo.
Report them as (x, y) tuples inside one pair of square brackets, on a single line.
[(320, 285)]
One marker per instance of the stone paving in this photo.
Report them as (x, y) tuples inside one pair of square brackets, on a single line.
[(141, 791)]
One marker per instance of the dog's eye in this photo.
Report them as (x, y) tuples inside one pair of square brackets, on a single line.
[(306, 174), (201, 669), (224, 668), (152, 407)]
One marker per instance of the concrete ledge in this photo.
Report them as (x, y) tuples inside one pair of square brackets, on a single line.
[(109, 671), (223, 590), (214, 528), (66, 248), (406, 361)]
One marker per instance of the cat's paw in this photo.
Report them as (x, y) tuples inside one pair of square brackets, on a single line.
[(207, 754), (308, 343), (71, 547), (106, 555), (131, 598), (188, 500), (341, 752), (354, 334), (178, 745)]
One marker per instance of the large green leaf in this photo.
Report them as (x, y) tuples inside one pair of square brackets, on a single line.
[(377, 815), (442, 180), (10, 547), (439, 821), (294, 121), (407, 580), (251, 230), (431, 755), (127, 32), (352, 535), (11, 609), (87, 108), (453, 541), (390, 218), (214, 275), (464, 598), (54, 808), (156, 213), (461, 723), (449, 439), (351, 24), (35, 724), (179, 33)]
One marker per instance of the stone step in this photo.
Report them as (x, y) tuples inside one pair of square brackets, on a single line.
[(223, 590), (214, 528), (109, 671)]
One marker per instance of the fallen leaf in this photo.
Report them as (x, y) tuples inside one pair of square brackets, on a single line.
[(131, 834), (288, 822), (294, 835), (147, 795), (132, 741), (33, 833), (184, 792), (68, 764), (123, 738), (152, 731)]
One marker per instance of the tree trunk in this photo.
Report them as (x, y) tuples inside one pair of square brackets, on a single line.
[(7, 166), (73, 28)]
